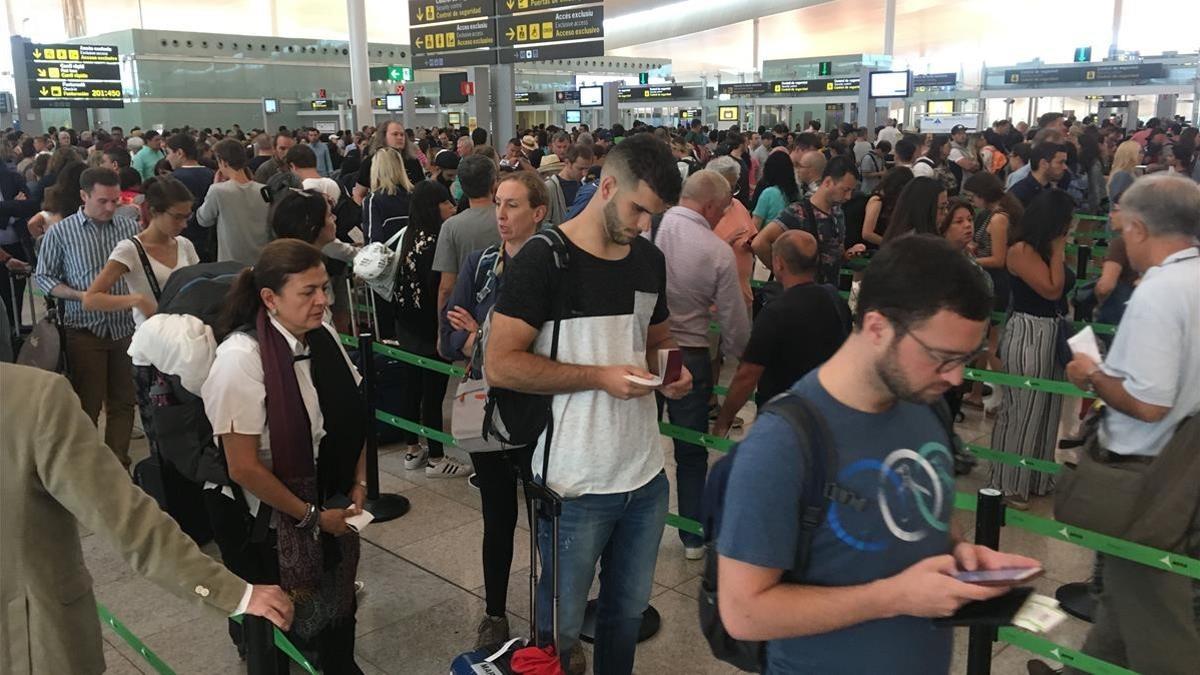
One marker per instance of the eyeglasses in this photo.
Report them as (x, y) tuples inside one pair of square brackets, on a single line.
[(945, 363)]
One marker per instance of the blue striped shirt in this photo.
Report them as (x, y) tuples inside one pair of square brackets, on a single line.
[(73, 253)]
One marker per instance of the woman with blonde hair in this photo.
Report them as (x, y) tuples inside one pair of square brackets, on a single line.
[(1121, 175), (385, 215)]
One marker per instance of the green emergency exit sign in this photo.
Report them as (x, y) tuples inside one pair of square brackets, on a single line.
[(643, 78), (391, 74), (825, 68)]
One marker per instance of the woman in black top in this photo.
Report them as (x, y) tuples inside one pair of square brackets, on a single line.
[(415, 302), (920, 208), (1028, 421), (882, 203)]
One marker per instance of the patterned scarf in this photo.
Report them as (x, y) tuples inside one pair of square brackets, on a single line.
[(317, 573)]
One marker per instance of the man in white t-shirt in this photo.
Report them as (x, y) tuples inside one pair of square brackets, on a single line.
[(1146, 620), (890, 133)]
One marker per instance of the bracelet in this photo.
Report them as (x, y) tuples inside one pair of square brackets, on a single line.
[(309, 518)]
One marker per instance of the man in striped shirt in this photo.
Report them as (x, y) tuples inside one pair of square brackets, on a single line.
[(73, 253)]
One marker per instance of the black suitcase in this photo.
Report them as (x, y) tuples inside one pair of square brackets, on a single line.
[(542, 505)]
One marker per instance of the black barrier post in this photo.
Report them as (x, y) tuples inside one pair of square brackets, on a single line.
[(989, 517), (384, 507), (258, 635)]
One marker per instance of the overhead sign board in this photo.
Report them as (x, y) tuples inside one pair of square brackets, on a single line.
[(73, 76), (454, 37), (821, 86), (321, 104), (527, 97), (566, 96), (651, 93), (584, 23), (421, 12), (510, 6), (1112, 71), (935, 82), (745, 88), (569, 50)]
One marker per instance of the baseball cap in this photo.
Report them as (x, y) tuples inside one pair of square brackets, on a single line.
[(957, 128)]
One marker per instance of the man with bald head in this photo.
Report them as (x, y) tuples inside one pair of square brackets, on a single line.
[(701, 273), (809, 165), (793, 333)]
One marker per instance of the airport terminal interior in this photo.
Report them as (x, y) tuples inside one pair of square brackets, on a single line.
[(1023, 123)]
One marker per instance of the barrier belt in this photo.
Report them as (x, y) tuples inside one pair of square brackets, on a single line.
[(133, 641), (1066, 656), (1014, 459), (285, 645), (1022, 382)]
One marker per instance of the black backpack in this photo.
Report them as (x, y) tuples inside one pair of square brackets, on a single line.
[(518, 418), (821, 457), (185, 436)]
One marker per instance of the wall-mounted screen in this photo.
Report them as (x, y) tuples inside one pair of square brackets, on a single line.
[(727, 113), (940, 107), (454, 119), (574, 116), (395, 102), (591, 97), (270, 105), (891, 84), (450, 86)]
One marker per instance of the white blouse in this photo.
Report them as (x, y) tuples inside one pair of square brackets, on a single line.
[(235, 395)]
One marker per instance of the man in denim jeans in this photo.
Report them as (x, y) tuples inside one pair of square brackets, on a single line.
[(605, 460), (701, 273)]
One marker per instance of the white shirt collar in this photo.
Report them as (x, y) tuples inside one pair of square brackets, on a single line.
[(1189, 252), (297, 347)]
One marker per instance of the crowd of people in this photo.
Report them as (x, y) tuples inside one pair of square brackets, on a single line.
[(559, 263)]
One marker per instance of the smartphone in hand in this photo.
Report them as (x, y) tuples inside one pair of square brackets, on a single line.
[(1010, 576)]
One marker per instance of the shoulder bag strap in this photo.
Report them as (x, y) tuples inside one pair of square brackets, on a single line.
[(153, 280), (562, 262), (817, 445)]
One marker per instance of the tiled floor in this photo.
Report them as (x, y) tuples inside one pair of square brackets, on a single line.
[(424, 589)]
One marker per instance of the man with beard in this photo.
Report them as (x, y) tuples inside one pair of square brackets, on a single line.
[(880, 564), (606, 460)]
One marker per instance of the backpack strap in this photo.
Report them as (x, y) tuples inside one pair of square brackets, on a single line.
[(820, 455), (810, 219), (562, 260), (153, 280)]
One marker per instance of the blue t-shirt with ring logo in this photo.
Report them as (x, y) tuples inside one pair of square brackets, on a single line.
[(897, 471)]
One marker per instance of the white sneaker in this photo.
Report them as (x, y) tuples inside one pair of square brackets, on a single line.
[(416, 457), (693, 552), (447, 467)]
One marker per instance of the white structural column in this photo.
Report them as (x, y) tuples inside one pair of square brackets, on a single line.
[(479, 106), (360, 74), (1118, 8), (889, 26), (504, 110)]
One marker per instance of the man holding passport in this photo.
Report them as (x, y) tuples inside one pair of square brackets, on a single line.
[(882, 563)]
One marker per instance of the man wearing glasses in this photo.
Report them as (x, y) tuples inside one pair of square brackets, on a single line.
[(882, 560)]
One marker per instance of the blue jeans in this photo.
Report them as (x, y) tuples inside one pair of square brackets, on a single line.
[(622, 531), (691, 461)]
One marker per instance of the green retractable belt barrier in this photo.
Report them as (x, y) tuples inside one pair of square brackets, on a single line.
[(162, 668), (133, 641), (1155, 558)]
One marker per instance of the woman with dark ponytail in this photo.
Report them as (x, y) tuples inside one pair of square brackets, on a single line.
[(307, 215), (284, 519)]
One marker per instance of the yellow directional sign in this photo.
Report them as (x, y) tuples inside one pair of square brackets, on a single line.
[(66, 76)]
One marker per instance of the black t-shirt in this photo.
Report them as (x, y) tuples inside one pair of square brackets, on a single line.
[(257, 161), (411, 166), (609, 292), (570, 188), (795, 333)]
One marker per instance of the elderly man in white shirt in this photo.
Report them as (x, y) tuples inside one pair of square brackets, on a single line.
[(1149, 381)]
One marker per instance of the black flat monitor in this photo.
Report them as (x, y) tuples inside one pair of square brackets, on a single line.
[(450, 86), (574, 116), (395, 102)]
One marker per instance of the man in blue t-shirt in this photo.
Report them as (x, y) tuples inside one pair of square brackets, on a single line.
[(881, 562)]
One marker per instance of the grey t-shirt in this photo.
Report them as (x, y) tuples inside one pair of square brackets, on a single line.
[(240, 216), (471, 230), (899, 466)]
